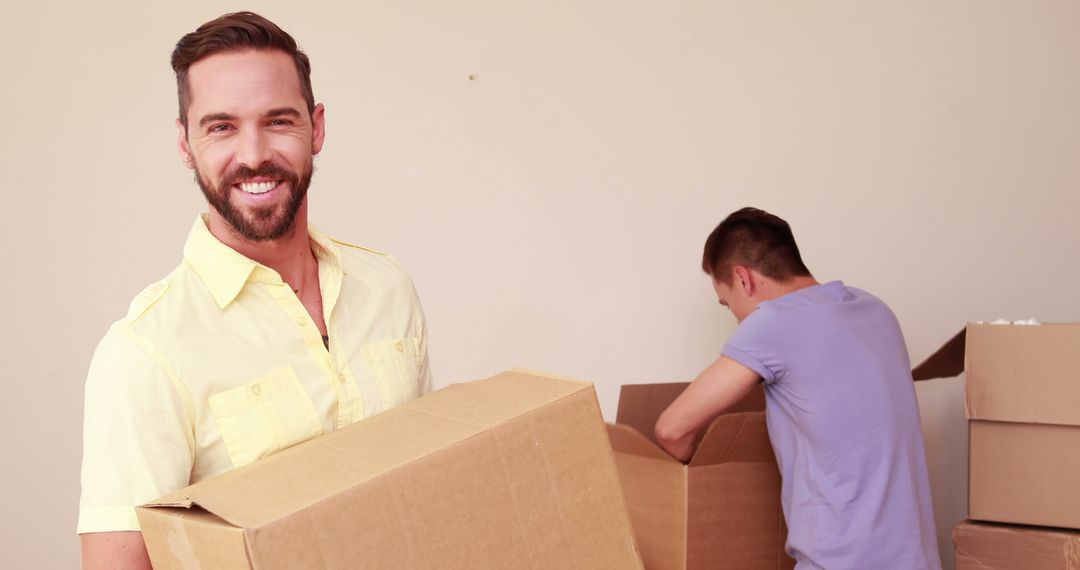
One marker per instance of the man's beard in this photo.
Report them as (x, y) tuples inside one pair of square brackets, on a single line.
[(263, 223)]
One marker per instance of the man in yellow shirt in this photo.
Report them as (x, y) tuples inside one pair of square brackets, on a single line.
[(268, 333)]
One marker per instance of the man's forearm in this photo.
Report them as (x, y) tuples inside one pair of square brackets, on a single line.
[(680, 447)]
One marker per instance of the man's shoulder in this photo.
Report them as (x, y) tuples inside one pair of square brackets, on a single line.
[(148, 301), (352, 247), (368, 263)]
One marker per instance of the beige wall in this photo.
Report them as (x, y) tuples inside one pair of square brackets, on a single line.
[(552, 209)]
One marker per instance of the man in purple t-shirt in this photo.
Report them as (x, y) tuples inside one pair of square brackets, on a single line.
[(840, 403)]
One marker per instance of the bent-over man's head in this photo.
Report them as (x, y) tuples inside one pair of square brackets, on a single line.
[(749, 248)]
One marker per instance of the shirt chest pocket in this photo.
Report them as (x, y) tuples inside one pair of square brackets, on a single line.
[(396, 367), (264, 416)]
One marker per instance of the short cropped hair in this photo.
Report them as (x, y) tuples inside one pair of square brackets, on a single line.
[(236, 32), (755, 239)]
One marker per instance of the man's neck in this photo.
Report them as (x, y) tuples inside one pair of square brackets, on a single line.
[(802, 282), (290, 255), (780, 288)]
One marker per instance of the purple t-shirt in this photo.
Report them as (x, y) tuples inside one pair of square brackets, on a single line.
[(844, 423)]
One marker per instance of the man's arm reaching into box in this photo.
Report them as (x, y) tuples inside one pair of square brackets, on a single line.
[(717, 388)]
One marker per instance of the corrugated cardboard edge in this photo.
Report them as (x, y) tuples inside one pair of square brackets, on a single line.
[(186, 499), (542, 374), (178, 502)]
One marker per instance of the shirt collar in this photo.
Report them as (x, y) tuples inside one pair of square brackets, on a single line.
[(225, 271)]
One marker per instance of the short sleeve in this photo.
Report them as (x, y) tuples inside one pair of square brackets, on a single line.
[(424, 377), (756, 345), (138, 442), (419, 324)]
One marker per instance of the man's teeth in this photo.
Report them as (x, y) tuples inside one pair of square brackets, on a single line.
[(257, 187)]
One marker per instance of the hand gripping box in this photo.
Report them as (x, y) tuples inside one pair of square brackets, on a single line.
[(510, 472), (991, 546), (1022, 398), (720, 511)]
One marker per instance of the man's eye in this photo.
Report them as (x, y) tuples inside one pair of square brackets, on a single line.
[(218, 128), (280, 122)]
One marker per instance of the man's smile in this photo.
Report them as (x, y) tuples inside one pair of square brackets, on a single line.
[(257, 187)]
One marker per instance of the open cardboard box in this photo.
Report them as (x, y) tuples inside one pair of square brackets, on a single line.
[(720, 511), (1023, 401), (991, 546), (510, 472)]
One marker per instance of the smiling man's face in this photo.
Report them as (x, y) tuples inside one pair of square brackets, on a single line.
[(250, 140)]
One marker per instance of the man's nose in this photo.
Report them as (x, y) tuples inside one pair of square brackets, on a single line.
[(254, 149)]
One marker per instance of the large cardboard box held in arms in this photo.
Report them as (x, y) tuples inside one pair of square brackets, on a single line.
[(992, 546), (720, 511), (1022, 398), (510, 472)]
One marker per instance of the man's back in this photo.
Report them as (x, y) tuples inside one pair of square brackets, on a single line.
[(844, 423)]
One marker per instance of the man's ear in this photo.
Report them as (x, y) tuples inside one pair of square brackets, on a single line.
[(745, 279), (182, 146), (318, 129)]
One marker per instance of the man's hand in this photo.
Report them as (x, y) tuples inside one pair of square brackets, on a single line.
[(716, 389), (114, 551)]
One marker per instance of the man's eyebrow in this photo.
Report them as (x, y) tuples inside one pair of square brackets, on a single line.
[(215, 117), (283, 112)]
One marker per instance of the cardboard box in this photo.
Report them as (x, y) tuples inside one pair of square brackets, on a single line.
[(990, 546), (510, 472), (720, 511), (1023, 401)]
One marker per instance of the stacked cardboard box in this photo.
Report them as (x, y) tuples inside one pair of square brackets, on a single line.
[(722, 509), (993, 546), (1022, 400), (511, 472)]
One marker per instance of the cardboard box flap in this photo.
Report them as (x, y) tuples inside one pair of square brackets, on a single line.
[(945, 362), (178, 500), (640, 405), (183, 539), (1024, 373), (257, 494), (625, 439), (735, 437)]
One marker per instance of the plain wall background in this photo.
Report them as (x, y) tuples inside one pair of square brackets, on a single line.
[(552, 208)]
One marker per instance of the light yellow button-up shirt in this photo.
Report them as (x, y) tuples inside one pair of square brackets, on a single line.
[(219, 364)]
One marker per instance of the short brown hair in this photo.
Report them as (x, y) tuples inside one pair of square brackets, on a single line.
[(235, 32), (756, 239)]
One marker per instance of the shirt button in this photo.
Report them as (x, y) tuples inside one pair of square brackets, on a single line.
[(256, 390), (301, 321), (341, 377), (399, 347)]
